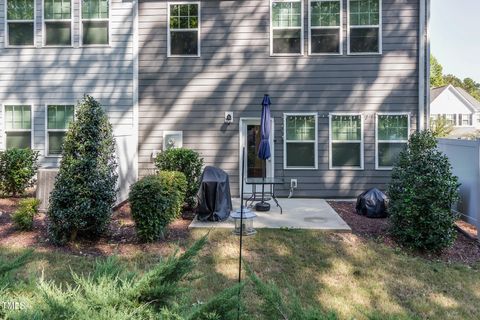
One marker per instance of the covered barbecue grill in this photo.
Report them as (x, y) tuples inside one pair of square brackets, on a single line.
[(214, 199)]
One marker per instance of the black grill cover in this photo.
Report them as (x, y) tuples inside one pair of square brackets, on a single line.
[(372, 203), (214, 199)]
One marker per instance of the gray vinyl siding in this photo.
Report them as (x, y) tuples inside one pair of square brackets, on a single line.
[(54, 75), (235, 70)]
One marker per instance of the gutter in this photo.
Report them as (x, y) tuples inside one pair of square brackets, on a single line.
[(424, 66)]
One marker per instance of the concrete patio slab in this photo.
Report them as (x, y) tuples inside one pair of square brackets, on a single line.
[(313, 214)]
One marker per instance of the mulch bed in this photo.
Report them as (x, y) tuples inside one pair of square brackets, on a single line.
[(465, 250), (119, 239)]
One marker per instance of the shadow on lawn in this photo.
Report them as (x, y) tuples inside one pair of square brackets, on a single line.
[(330, 271), (340, 273)]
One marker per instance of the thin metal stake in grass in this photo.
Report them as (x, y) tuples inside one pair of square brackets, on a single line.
[(241, 233)]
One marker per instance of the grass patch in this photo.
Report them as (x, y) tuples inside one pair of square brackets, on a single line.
[(353, 278)]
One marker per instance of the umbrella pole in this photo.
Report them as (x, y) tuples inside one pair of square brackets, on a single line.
[(241, 231)]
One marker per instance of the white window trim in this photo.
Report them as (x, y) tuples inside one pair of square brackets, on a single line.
[(331, 141), (169, 54), (380, 32), (377, 166), (44, 28), (302, 36), (47, 154), (285, 115), (7, 41), (80, 21), (470, 120), (4, 127), (340, 30)]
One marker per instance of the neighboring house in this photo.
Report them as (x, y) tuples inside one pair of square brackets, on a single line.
[(347, 79), (458, 107), (52, 52)]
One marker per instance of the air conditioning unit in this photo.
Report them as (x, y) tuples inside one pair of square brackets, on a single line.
[(45, 183)]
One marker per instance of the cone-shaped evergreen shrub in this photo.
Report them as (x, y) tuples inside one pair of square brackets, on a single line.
[(84, 193), (421, 193)]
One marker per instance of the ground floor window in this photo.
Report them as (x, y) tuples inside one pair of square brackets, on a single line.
[(58, 119), (18, 126), (466, 120), (346, 141), (392, 131), (300, 142)]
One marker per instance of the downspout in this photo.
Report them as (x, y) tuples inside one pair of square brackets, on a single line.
[(423, 66), (135, 88)]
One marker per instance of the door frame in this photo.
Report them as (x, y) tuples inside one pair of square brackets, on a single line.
[(242, 122)]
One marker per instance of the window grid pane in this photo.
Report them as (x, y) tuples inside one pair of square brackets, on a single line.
[(17, 118), (346, 128), (19, 140), (55, 142), (59, 116), (95, 9), (347, 155), (57, 9), (388, 153), (286, 14), (393, 127), (325, 14), (184, 16), (300, 128), (20, 9), (364, 12)]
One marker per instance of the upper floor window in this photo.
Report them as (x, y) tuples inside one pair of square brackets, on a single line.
[(57, 22), (20, 22), (286, 33), (95, 22), (58, 119), (346, 141), (300, 141), (365, 30), (325, 31), (392, 137), (184, 29), (18, 126)]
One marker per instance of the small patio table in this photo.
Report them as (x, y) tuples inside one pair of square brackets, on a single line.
[(254, 182)]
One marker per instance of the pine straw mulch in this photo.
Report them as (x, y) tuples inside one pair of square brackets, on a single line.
[(465, 250), (120, 239)]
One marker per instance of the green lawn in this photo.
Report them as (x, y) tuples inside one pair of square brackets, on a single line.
[(339, 272)]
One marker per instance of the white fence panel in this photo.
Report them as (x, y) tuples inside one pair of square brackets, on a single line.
[(464, 157)]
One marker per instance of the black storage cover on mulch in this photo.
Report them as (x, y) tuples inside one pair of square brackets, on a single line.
[(372, 203), (214, 199)]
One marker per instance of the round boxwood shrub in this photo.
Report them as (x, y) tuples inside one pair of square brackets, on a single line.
[(17, 170), (186, 161), (85, 188), (422, 191), (156, 201)]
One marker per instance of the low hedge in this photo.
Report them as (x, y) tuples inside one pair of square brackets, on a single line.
[(23, 216), (17, 170), (189, 163), (155, 202)]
